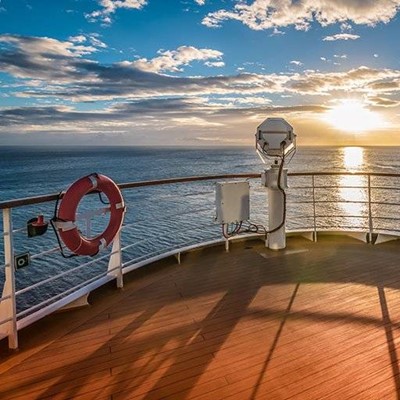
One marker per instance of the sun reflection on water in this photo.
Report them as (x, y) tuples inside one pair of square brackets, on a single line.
[(353, 157), (352, 188)]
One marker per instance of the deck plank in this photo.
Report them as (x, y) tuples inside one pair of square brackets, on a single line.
[(320, 323)]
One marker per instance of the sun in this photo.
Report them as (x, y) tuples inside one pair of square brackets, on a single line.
[(353, 116)]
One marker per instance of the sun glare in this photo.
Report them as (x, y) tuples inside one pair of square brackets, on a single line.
[(353, 116)]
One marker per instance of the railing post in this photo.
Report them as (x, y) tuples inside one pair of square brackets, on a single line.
[(314, 209), (8, 307), (370, 223), (115, 263)]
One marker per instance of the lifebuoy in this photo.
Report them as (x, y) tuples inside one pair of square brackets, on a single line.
[(66, 215)]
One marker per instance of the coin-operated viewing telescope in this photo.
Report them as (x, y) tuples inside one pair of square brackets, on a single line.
[(275, 141)]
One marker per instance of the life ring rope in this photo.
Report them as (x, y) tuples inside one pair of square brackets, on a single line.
[(66, 215)]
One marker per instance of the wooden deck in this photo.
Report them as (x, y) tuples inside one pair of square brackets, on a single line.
[(316, 321)]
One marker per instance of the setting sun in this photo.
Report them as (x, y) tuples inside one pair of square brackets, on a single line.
[(353, 116)]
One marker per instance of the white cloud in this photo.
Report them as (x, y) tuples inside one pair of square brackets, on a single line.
[(296, 62), (382, 101), (200, 2), (166, 115), (47, 69), (45, 45), (345, 26), (173, 60), (43, 58), (361, 80), (323, 58), (194, 121), (270, 14), (215, 64), (77, 39), (376, 55), (341, 36), (111, 6), (276, 32), (242, 101), (92, 38), (340, 56)]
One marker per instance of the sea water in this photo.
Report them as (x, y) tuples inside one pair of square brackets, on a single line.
[(163, 217), (29, 171)]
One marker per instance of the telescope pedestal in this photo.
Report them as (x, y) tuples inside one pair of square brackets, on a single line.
[(276, 205)]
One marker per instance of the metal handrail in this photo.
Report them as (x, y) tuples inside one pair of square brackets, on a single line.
[(129, 185), (117, 268), (54, 196)]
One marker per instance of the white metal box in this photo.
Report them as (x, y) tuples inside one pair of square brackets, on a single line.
[(232, 202)]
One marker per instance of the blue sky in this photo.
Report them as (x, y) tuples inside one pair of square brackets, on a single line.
[(198, 72)]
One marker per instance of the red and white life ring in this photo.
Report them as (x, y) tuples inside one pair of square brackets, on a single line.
[(66, 215)]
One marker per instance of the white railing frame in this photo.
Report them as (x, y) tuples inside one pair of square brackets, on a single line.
[(370, 221), (315, 238), (9, 322), (8, 306)]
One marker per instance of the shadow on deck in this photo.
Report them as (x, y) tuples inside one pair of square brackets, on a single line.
[(317, 320)]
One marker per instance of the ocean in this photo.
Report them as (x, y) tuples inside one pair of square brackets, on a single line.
[(163, 217), (30, 171)]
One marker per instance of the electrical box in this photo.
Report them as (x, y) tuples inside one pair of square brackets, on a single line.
[(232, 202), (22, 260)]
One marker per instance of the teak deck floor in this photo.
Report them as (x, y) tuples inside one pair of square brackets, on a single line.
[(315, 321)]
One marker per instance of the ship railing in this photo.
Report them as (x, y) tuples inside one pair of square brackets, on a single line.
[(169, 217)]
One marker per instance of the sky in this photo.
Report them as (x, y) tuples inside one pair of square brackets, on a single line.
[(198, 72)]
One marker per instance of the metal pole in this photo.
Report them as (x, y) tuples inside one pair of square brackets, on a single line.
[(8, 307), (115, 263), (314, 212), (371, 227)]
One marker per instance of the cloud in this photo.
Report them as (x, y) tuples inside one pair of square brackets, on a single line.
[(173, 60), (92, 38), (383, 102), (345, 26), (77, 39), (385, 85), (46, 46), (47, 69), (296, 62), (200, 2), (215, 64), (361, 80), (341, 36), (159, 114), (66, 73), (270, 14), (239, 101), (41, 57), (110, 7)]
